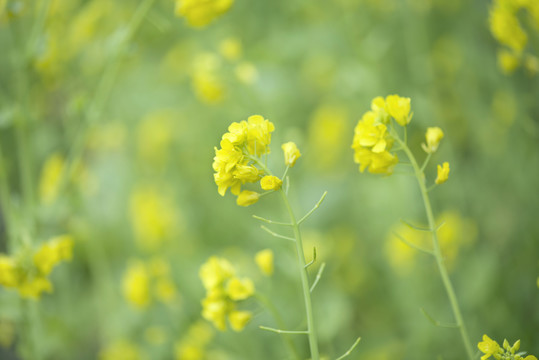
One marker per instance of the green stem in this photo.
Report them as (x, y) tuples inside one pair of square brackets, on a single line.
[(313, 340), (5, 198), (280, 323), (437, 251)]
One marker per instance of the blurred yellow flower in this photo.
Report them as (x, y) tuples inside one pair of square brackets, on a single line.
[(291, 153), (247, 197), (153, 216), (155, 136), (136, 284), (270, 182), (230, 48), (443, 173), (49, 180), (53, 252), (9, 272), (201, 12), (433, 137), (223, 290), (399, 108), (508, 61), (246, 73), (206, 81), (121, 350), (264, 260), (192, 345)]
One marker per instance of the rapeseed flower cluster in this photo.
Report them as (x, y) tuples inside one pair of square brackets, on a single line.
[(223, 291), (509, 32), (372, 141), (233, 162), (28, 271), (490, 348), (200, 13), (144, 282)]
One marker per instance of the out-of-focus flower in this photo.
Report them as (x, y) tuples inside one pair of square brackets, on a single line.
[(433, 137), (246, 72), (49, 181), (230, 48), (28, 271), (144, 282), (264, 260), (223, 291), (443, 173), (121, 350), (291, 153), (508, 61), (153, 216), (206, 81), (201, 12), (270, 182), (193, 344)]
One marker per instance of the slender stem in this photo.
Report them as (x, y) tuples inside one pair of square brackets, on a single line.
[(313, 340), (280, 323), (437, 251), (5, 198)]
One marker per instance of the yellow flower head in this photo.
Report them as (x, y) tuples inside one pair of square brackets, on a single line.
[(270, 182), (215, 272), (247, 197), (238, 319), (9, 272), (201, 12), (264, 260), (399, 108), (508, 61), (53, 252), (233, 164), (240, 289), (291, 153), (49, 181), (433, 137), (443, 173), (230, 48), (489, 347)]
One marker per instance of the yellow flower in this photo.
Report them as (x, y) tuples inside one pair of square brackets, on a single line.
[(264, 260), (34, 286), (223, 290), (246, 72), (121, 350), (399, 108), (508, 61), (443, 173), (201, 12), (258, 134), (433, 137), (53, 252), (240, 289), (136, 284), (49, 181), (379, 108), (230, 48), (9, 272), (489, 347), (506, 28), (247, 197), (238, 319), (270, 182), (291, 153)]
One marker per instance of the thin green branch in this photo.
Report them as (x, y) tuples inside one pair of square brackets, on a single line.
[(279, 331), (313, 260), (318, 277), (314, 208), (425, 162), (350, 350), (271, 221), (412, 245), (438, 323), (276, 235), (415, 227)]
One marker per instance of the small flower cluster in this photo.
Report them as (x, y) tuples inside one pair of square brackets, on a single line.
[(200, 13), (223, 291), (28, 271), (372, 142), (144, 282), (508, 31), (235, 163), (490, 348)]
